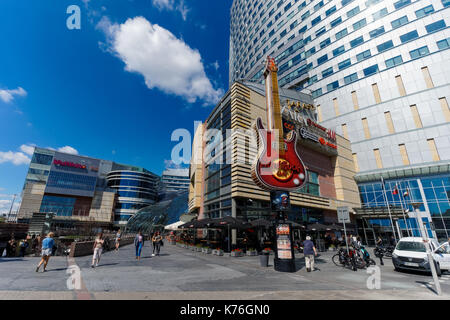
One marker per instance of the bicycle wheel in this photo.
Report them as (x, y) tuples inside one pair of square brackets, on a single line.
[(337, 260), (360, 263)]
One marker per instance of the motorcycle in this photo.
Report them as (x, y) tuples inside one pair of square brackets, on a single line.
[(366, 256)]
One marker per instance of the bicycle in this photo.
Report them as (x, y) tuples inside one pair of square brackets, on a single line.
[(344, 259)]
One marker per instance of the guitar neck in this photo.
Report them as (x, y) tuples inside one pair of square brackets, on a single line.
[(274, 118)]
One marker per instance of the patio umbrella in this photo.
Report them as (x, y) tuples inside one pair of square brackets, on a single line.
[(261, 223), (317, 227), (227, 221), (173, 226)]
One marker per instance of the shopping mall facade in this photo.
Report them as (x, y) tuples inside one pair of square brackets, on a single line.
[(221, 182), (379, 75), (79, 190)]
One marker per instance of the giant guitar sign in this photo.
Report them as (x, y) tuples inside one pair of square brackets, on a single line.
[(278, 165)]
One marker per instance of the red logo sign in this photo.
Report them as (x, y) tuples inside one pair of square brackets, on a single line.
[(68, 164)]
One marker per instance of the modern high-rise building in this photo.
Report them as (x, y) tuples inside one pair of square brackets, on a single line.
[(379, 73), (77, 190), (175, 180)]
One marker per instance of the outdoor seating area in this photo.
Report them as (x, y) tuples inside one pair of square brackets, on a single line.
[(214, 236)]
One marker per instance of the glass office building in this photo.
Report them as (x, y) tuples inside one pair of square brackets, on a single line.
[(175, 180), (379, 74), (78, 189), (136, 188)]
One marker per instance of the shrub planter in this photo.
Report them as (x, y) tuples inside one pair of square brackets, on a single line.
[(217, 252), (206, 250), (198, 249), (237, 253), (252, 253), (264, 259)]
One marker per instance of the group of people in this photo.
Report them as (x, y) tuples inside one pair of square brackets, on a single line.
[(13, 247), (157, 241)]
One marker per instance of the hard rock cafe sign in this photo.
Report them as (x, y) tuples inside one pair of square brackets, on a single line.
[(294, 116)]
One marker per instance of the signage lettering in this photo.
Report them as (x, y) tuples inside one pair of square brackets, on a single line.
[(68, 164)]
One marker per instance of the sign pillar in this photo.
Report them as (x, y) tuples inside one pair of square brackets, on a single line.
[(284, 260), (344, 217)]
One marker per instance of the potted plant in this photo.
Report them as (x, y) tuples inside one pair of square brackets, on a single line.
[(206, 250), (237, 253), (252, 252), (218, 252), (264, 257)]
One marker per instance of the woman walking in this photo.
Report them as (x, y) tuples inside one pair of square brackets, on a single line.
[(98, 248), (118, 236), (156, 239), (139, 243), (47, 245)]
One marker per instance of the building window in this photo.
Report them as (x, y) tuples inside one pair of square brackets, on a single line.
[(305, 15), (445, 3), (336, 107), (393, 61), (380, 14), (358, 25), (401, 3), (318, 6), (355, 100), (443, 44), (400, 86), (363, 55), (345, 2), (433, 150), (315, 21), (404, 154), (353, 12), (424, 11), (317, 93), (327, 72), (322, 59), (399, 22), (389, 123), (357, 41), (321, 31), (332, 86), (416, 116), (42, 159), (330, 11), (435, 26), (312, 187), (385, 46), (366, 128), (445, 109), (376, 93), (351, 78), (377, 155), (338, 51), (335, 22), (423, 51), (344, 131), (409, 36), (325, 43), (344, 64), (376, 32), (427, 77), (341, 34), (355, 162)]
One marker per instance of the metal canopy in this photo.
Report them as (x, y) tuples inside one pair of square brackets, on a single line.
[(378, 212)]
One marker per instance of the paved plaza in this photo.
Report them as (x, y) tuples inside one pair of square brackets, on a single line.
[(183, 274)]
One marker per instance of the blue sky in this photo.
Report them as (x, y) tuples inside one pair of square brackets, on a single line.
[(116, 88)]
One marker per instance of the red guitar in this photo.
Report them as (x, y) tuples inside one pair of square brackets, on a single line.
[(278, 165)]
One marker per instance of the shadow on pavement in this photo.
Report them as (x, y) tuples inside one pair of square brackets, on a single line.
[(428, 286), (10, 259)]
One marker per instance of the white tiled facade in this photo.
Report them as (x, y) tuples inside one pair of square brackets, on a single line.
[(248, 51)]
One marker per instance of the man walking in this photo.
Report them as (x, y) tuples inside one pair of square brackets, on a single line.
[(156, 239), (309, 250), (139, 243)]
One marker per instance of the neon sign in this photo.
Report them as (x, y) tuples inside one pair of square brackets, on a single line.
[(59, 163)]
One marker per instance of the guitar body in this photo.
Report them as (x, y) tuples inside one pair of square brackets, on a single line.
[(278, 165), (277, 170)]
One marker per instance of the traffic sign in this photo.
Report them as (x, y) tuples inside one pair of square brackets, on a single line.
[(343, 214)]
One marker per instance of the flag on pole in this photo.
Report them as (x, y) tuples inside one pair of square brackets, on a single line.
[(395, 191)]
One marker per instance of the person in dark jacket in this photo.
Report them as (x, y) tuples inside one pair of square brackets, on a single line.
[(139, 243), (309, 250)]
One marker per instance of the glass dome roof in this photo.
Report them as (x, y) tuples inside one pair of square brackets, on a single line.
[(156, 216)]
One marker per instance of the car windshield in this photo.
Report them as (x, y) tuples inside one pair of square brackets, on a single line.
[(411, 246)]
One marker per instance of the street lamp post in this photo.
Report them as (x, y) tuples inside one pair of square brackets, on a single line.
[(426, 241)]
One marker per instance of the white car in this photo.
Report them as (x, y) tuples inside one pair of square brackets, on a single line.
[(410, 253)]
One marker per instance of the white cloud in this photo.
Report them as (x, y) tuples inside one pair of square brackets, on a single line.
[(171, 6), (167, 63), (16, 158), (28, 149), (68, 149), (8, 95), (163, 4), (5, 204), (216, 65)]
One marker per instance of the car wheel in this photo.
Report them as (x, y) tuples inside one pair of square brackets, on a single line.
[(397, 269)]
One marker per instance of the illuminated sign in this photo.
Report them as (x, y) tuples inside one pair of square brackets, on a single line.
[(60, 163), (330, 133), (306, 134)]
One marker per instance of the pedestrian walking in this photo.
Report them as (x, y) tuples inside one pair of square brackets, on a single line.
[(118, 238), (309, 250), (379, 248), (11, 247), (139, 243), (156, 240), (98, 248), (47, 245), (23, 245)]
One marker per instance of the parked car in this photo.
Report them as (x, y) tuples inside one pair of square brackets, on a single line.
[(410, 253)]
